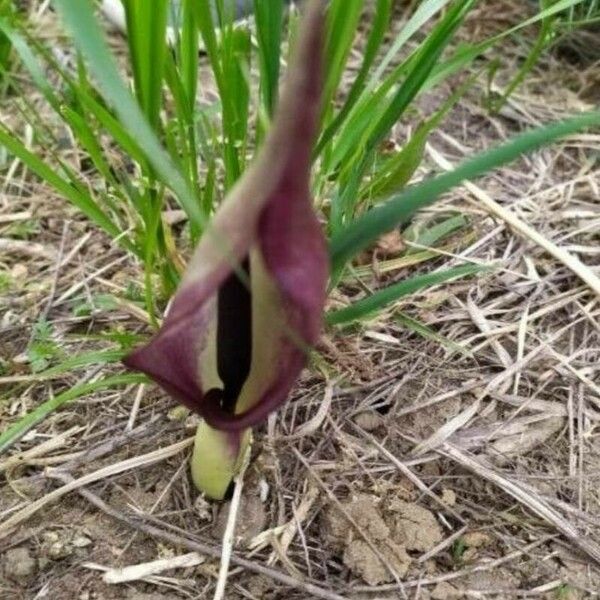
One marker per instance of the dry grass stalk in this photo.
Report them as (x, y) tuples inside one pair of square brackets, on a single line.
[(7, 526), (526, 497), (585, 273)]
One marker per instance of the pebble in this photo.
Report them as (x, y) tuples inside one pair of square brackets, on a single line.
[(19, 565)]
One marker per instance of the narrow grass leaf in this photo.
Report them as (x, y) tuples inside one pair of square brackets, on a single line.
[(545, 34), (397, 171), (188, 51), (342, 22), (430, 235), (380, 299), (79, 18), (30, 420), (367, 228), (429, 333), (269, 25), (381, 20), (147, 40), (84, 202), (421, 66), (424, 13)]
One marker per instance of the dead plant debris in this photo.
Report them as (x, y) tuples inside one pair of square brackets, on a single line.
[(504, 504)]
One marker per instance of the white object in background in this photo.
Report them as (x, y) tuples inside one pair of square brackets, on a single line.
[(114, 11)]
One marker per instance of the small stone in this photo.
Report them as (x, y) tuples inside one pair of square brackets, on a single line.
[(178, 413), (448, 497), (50, 536), (416, 527), (56, 547), (403, 490), (368, 420), (59, 550), (19, 272), (21, 359), (19, 565), (202, 509), (476, 539), (263, 489), (81, 541), (391, 244), (360, 558), (445, 591), (191, 422)]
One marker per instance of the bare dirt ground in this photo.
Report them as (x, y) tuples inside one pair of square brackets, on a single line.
[(464, 464)]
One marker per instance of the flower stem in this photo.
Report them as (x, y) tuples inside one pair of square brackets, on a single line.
[(217, 458)]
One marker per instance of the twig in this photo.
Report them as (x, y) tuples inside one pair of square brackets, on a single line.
[(384, 561), (25, 247), (486, 566), (57, 267), (144, 570), (228, 535), (18, 216), (132, 463), (135, 407), (312, 591), (50, 445), (570, 261), (110, 445), (525, 497)]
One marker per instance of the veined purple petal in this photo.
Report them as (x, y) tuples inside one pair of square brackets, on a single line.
[(267, 231)]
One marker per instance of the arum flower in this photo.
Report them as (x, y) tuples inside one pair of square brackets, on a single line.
[(250, 303)]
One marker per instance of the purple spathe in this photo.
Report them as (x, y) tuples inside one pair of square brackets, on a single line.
[(269, 211)]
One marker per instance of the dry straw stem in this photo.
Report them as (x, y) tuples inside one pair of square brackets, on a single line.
[(594, 388), (315, 422), (135, 407), (132, 463), (34, 455), (26, 247), (441, 435), (486, 566), (526, 497), (281, 536), (372, 545), (567, 259), (229, 533), (313, 591), (17, 216), (448, 429), (144, 570), (295, 525)]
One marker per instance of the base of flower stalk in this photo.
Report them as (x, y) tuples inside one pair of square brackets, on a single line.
[(217, 458)]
